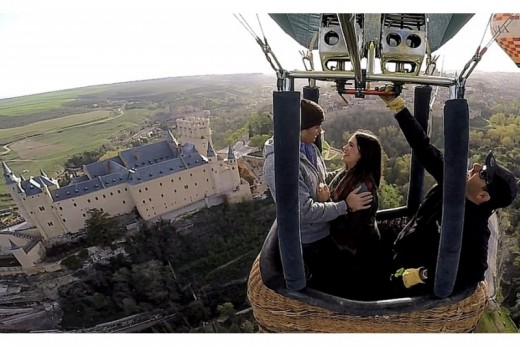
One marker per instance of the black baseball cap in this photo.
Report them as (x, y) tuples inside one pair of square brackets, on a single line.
[(501, 183)]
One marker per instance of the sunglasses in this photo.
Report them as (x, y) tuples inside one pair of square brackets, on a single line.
[(483, 174)]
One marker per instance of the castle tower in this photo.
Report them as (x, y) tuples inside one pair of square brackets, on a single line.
[(17, 193), (196, 131)]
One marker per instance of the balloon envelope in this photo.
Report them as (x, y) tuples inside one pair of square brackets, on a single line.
[(509, 38), (302, 26)]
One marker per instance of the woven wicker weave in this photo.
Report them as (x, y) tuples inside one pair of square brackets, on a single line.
[(276, 313)]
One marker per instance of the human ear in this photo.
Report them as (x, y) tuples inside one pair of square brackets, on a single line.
[(483, 196)]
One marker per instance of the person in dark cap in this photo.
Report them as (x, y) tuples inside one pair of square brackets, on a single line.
[(317, 245), (488, 187)]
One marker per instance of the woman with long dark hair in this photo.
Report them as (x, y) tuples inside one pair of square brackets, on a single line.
[(356, 234)]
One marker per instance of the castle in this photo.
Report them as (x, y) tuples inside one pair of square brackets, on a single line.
[(158, 180)]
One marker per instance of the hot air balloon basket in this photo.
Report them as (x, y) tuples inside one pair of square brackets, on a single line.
[(276, 313)]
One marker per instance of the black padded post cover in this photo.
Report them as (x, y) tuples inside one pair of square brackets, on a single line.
[(286, 114), (456, 142)]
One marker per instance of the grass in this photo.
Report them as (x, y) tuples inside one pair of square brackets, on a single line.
[(496, 320), (65, 137), (53, 125), (20, 106)]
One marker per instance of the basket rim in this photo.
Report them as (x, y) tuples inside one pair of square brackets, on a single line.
[(273, 279)]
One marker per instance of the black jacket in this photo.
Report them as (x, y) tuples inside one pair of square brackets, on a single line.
[(417, 244)]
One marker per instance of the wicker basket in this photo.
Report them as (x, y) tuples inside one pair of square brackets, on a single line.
[(277, 313)]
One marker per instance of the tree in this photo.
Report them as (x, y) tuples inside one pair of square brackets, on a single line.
[(101, 229)]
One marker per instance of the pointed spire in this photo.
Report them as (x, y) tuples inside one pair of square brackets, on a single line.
[(172, 138), (7, 170), (10, 178), (211, 152), (231, 154), (44, 186), (14, 246)]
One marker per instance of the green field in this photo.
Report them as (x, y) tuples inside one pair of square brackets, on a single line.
[(49, 143)]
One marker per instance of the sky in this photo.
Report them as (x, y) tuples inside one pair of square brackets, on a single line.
[(48, 45)]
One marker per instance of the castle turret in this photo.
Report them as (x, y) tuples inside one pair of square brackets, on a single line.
[(9, 176), (212, 156), (231, 154), (14, 184), (174, 144)]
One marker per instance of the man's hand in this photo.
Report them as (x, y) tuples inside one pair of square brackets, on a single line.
[(323, 193), (396, 104), (359, 201), (411, 276)]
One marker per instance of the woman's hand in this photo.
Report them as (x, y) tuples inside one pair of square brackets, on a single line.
[(323, 193)]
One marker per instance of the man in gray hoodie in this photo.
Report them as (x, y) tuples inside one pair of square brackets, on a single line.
[(319, 251)]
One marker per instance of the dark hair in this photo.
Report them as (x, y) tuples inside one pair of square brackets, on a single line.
[(369, 164)]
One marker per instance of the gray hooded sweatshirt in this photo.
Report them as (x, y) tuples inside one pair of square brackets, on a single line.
[(314, 216)]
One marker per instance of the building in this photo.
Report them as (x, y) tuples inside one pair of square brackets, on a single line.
[(158, 180)]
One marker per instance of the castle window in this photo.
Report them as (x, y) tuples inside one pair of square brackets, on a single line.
[(84, 215), (174, 191), (61, 208), (118, 191), (140, 190), (195, 184), (146, 189), (42, 208), (160, 184), (88, 200), (150, 199), (144, 202), (186, 186), (162, 195), (111, 193), (124, 202), (97, 199), (74, 205), (50, 223), (191, 175), (63, 220), (104, 196), (126, 188)]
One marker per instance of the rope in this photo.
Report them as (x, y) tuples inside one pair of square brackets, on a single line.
[(475, 59), (264, 45)]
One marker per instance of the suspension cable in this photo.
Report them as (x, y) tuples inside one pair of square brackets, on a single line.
[(264, 45), (475, 59)]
